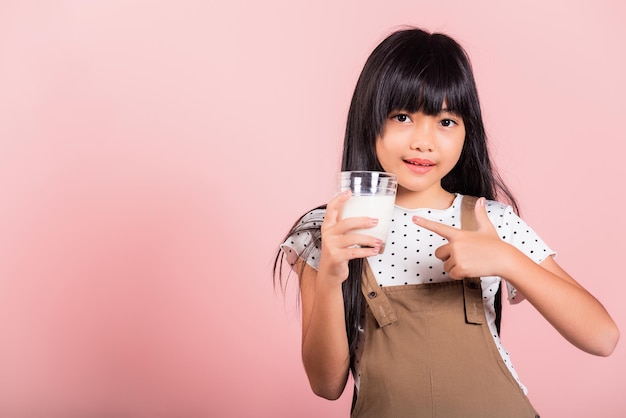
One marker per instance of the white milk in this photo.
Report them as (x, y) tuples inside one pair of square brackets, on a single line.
[(378, 206)]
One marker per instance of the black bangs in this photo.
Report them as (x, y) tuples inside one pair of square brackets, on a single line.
[(422, 76)]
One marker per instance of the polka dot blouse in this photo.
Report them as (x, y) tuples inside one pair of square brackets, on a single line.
[(409, 256)]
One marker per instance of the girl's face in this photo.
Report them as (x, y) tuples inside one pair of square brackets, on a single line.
[(421, 149)]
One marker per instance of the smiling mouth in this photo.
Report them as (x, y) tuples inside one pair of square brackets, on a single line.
[(419, 163)]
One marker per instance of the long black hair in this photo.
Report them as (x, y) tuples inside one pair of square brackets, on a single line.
[(410, 70)]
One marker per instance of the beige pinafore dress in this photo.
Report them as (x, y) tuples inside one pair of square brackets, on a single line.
[(429, 352)]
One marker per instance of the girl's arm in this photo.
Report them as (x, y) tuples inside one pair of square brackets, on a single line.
[(324, 340), (325, 352), (573, 311)]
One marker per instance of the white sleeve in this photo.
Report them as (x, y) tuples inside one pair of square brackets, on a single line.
[(305, 242), (515, 231)]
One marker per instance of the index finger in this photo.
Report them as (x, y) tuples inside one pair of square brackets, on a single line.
[(446, 231)]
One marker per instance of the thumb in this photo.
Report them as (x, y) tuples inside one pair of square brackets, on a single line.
[(480, 210)]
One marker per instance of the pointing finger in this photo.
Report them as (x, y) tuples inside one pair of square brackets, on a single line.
[(446, 231)]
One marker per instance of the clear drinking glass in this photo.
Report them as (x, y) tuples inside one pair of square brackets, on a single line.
[(373, 195)]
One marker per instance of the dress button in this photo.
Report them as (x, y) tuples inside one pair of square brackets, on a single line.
[(472, 285), (372, 295)]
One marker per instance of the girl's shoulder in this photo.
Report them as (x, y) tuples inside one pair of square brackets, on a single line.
[(493, 206), (304, 239), (503, 215), (312, 218), (499, 209), (516, 231)]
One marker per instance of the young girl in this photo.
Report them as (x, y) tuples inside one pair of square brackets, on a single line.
[(420, 336)]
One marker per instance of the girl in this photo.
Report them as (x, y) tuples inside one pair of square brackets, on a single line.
[(419, 335)]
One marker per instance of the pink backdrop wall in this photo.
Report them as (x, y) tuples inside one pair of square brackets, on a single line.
[(153, 153)]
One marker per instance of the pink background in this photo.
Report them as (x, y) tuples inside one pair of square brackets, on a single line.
[(153, 154)]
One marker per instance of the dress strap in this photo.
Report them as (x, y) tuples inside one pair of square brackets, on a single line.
[(468, 216), (472, 289), (376, 299)]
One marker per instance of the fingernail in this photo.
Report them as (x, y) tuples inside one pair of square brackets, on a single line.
[(373, 221)]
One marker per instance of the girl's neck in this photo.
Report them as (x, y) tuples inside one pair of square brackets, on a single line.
[(432, 199)]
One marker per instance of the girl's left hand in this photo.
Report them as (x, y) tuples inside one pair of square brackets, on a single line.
[(573, 311), (476, 253)]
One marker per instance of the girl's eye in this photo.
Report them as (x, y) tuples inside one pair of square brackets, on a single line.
[(402, 118), (448, 123)]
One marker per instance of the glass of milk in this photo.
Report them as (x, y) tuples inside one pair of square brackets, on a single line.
[(373, 195)]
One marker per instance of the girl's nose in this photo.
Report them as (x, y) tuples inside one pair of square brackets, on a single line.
[(422, 142)]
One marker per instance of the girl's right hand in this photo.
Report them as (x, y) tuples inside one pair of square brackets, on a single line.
[(339, 245)]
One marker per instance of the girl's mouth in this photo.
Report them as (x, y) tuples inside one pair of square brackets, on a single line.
[(419, 166), (420, 162)]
